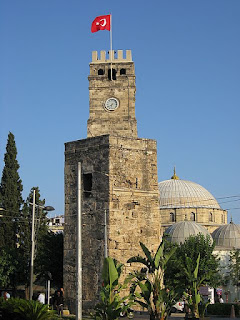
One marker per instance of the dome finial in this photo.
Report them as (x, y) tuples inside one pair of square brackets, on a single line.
[(174, 177)]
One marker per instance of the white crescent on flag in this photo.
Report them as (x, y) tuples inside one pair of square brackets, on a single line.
[(104, 22)]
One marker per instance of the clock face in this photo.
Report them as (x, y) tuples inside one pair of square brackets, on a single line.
[(111, 104)]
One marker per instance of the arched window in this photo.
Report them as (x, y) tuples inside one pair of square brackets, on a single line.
[(192, 216), (100, 72), (172, 217), (223, 220), (210, 217)]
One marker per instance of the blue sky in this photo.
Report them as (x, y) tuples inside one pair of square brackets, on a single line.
[(186, 55)]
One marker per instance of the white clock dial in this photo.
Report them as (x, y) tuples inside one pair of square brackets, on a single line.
[(111, 104)]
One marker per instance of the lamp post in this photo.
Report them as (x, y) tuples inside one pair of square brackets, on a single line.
[(47, 208)]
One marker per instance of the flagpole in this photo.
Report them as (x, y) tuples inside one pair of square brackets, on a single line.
[(111, 58)]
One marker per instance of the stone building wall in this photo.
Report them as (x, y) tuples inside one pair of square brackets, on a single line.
[(134, 205), (93, 153), (124, 182)]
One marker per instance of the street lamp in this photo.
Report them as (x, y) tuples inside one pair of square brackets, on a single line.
[(47, 208)]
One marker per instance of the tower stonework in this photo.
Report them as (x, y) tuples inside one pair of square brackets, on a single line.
[(119, 179), (104, 119)]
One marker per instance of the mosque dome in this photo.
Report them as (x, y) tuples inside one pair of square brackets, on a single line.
[(181, 231), (227, 236), (177, 193)]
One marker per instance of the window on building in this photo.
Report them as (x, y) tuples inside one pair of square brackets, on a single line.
[(100, 72), (122, 71), (192, 216), (87, 184), (210, 217), (113, 76), (172, 217), (223, 220)]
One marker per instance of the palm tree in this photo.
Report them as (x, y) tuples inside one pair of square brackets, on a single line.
[(153, 295)]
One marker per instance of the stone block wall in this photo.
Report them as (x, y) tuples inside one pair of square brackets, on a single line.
[(124, 182)]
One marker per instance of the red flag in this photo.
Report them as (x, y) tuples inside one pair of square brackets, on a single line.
[(101, 23)]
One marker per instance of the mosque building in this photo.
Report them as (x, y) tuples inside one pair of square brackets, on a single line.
[(111, 176), (182, 200), (181, 222)]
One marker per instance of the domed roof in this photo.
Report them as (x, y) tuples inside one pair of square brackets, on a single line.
[(176, 193), (227, 236), (181, 231)]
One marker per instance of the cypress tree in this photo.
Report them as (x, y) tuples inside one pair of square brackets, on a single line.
[(10, 196)]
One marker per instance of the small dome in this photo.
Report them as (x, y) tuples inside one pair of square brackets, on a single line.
[(176, 193), (227, 236), (181, 231)]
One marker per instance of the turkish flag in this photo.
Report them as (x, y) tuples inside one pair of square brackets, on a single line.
[(101, 23)]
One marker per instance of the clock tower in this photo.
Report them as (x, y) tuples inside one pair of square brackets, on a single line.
[(117, 185), (112, 95)]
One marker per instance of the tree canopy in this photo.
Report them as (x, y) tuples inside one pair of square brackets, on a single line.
[(10, 196), (191, 248), (16, 228)]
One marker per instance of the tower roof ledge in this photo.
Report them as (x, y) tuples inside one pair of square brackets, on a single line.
[(105, 57)]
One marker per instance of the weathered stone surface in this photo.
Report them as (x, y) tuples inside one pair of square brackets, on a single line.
[(123, 173), (135, 218)]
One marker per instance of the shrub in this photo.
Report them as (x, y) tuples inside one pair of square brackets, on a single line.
[(19, 309), (7, 308), (222, 309)]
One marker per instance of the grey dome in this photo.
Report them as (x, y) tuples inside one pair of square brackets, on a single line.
[(181, 231), (227, 236), (176, 193)]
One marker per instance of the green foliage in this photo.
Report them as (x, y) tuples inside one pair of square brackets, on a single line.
[(222, 309), (150, 282), (7, 268), (192, 297), (33, 310), (234, 268), (10, 196), (16, 227), (111, 304), (195, 280), (7, 309), (209, 263), (25, 229), (19, 309), (50, 258), (202, 307)]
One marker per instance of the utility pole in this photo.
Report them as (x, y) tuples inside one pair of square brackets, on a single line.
[(105, 235), (79, 245), (33, 244)]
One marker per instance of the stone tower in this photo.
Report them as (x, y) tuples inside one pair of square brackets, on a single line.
[(119, 178), (112, 102)]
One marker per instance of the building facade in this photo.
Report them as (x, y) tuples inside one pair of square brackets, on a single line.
[(182, 200)]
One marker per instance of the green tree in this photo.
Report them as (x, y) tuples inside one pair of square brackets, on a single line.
[(208, 264), (234, 268), (153, 296), (10, 196), (7, 268), (50, 258)]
